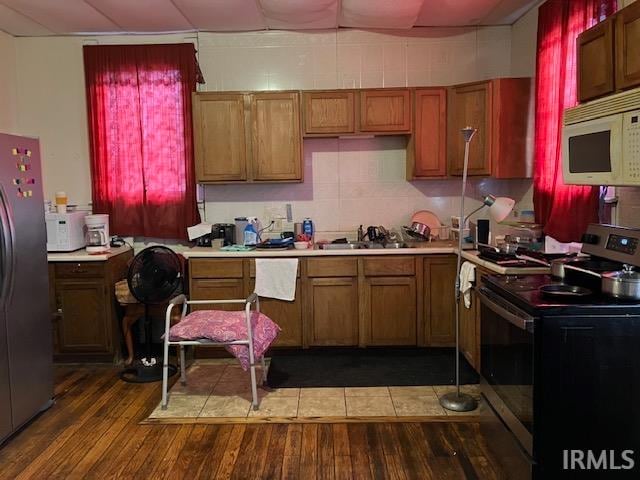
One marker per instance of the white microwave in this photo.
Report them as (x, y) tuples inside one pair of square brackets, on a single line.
[(601, 141), (65, 231)]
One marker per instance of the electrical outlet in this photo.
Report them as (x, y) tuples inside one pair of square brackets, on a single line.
[(277, 224)]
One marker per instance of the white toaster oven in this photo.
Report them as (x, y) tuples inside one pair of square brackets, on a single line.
[(65, 231)]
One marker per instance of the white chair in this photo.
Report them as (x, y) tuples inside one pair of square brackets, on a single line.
[(275, 278), (182, 300)]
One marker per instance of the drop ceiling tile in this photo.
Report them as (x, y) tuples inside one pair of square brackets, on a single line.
[(143, 15), (379, 13), (455, 12), (64, 16), (222, 15), (300, 14), (18, 25), (506, 13)]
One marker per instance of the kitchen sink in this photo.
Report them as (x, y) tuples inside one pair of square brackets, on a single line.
[(342, 246)]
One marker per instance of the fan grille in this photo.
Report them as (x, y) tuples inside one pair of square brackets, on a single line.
[(155, 274)]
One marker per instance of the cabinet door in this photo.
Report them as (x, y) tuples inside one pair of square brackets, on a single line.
[(470, 105), (390, 304), (439, 301), (83, 318), (430, 134), (220, 144), (329, 112), (595, 61), (218, 289), (469, 345), (628, 46), (288, 315), (276, 136), (332, 311), (387, 110)]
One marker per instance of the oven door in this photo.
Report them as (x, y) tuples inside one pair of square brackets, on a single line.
[(507, 364)]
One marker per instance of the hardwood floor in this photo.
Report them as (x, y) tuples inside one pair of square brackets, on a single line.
[(93, 431)]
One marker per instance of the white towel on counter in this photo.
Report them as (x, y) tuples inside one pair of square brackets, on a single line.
[(467, 278), (276, 278)]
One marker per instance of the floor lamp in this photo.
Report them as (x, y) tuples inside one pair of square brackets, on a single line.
[(499, 209)]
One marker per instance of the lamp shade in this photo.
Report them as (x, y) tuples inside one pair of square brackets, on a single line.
[(500, 208)]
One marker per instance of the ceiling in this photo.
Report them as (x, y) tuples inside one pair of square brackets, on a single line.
[(64, 17)]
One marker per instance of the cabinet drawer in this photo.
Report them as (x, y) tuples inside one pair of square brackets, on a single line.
[(252, 268), (81, 269), (389, 266), (218, 268), (332, 267)]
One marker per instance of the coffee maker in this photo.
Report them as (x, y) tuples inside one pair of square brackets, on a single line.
[(226, 231), (97, 233)]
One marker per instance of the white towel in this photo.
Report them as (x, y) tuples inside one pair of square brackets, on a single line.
[(467, 277), (276, 278)]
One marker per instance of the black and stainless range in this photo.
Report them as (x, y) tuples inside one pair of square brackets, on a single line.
[(562, 370)]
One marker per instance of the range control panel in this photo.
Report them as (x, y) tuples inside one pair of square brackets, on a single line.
[(620, 244)]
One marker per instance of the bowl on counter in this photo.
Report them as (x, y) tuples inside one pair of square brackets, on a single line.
[(301, 245)]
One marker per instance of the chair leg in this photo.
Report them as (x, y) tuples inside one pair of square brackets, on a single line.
[(254, 387), (165, 377), (183, 372)]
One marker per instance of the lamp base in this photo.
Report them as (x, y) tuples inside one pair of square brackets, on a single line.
[(458, 403)]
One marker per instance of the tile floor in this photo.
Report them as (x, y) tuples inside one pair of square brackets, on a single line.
[(221, 389)]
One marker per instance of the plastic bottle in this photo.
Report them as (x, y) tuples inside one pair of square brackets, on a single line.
[(307, 227), (250, 233)]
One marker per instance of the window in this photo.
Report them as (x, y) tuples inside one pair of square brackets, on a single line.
[(139, 113)]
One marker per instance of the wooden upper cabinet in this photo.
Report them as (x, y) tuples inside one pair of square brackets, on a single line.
[(427, 152), (470, 105), (501, 110), (276, 136), (595, 61), (385, 110), (219, 136), (329, 112), (628, 46), (247, 137)]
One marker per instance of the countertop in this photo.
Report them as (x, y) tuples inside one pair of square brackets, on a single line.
[(425, 248), (82, 255), (432, 248), (472, 256)]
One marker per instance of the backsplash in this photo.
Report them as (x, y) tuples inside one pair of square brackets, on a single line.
[(348, 182)]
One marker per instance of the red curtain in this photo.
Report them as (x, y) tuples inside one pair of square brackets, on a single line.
[(140, 137), (564, 210)]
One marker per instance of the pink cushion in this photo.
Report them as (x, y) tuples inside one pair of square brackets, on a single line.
[(222, 326)]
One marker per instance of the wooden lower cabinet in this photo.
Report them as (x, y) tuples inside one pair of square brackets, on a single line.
[(85, 319), (332, 311), (288, 316), (351, 300), (470, 331), (439, 300), (83, 316), (390, 310)]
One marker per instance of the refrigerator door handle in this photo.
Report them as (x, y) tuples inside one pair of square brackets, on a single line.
[(6, 247)]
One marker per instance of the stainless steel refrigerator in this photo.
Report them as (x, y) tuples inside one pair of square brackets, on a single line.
[(26, 377)]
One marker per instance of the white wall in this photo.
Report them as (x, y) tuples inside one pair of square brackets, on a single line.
[(52, 106), (351, 182), (7, 84), (348, 182)]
